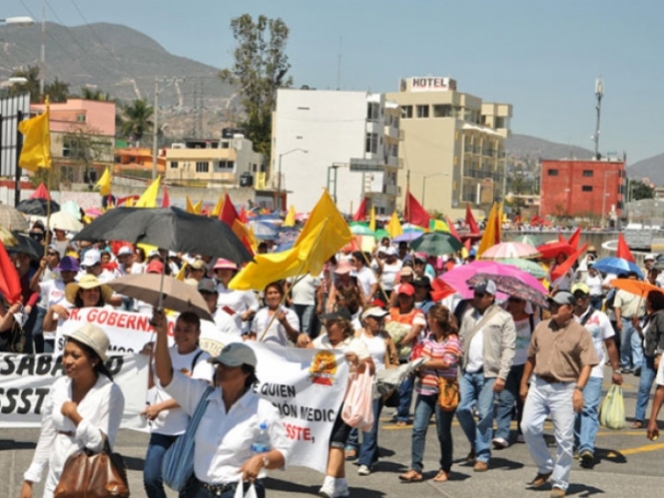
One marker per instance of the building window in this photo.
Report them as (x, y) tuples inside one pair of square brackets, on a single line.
[(80, 118), (422, 111), (371, 144), (553, 172), (228, 165), (174, 165), (586, 188), (254, 168), (587, 172), (372, 111), (406, 111), (202, 167), (442, 111)]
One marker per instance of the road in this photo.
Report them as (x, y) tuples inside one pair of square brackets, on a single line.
[(629, 465)]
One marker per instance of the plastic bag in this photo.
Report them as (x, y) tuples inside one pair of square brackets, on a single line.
[(358, 405), (239, 491), (612, 412)]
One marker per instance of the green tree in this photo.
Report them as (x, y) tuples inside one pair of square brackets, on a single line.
[(95, 94), (641, 190), (31, 86), (58, 91), (136, 120), (260, 68), (86, 149)]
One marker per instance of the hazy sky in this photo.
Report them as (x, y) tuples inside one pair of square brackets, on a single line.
[(542, 56)]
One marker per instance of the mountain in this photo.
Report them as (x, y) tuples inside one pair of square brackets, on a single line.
[(651, 168), (526, 147), (123, 62)]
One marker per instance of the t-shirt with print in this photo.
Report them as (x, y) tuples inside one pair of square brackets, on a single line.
[(448, 350), (52, 292), (600, 330), (523, 333), (174, 421)]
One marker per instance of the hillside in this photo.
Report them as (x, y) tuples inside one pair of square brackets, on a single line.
[(651, 168), (526, 147)]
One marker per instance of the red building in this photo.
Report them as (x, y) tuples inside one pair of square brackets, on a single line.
[(591, 189)]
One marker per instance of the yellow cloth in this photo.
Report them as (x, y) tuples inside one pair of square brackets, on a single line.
[(183, 270), (190, 208), (372, 219), (491, 235), (198, 207), (290, 218), (149, 197), (217, 207), (36, 151), (104, 183), (394, 227), (439, 226)]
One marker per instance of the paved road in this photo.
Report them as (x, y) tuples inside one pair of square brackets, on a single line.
[(629, 466)]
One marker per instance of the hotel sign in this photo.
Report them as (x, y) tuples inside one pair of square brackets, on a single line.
[(430, 84)]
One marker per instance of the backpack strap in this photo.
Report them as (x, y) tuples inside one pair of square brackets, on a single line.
[(195, 361)]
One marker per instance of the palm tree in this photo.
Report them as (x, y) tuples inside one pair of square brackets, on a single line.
[(31, 86), (88, 93), (136, 120), (58, 91)]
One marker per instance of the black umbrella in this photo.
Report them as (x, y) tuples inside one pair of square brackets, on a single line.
[(27, 245), (37, 207), (170, 228)]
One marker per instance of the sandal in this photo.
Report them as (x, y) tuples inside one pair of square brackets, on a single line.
[(411, 476), (637, 424), (442, 476)]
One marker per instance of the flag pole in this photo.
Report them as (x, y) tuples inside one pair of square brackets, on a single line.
[(48, 210)]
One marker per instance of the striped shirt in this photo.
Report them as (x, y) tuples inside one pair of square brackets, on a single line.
[(448, 350)]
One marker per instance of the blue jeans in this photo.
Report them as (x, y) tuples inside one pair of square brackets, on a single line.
[(353, 441), (596, 302), (648, 373), (305, 312), (369, 448), (152, 480), (586, 423), (631, 352), (474, 388), (425, 406), (405, 399), (505, 405), (196, 490)]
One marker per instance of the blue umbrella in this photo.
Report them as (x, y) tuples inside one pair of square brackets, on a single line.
[(616, 266), (264, 231)]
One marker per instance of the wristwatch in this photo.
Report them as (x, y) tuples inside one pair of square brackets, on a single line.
[(579, 388)]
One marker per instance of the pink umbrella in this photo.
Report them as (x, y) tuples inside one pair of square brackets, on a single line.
[(93, 212), (458, 277), (511, 250)]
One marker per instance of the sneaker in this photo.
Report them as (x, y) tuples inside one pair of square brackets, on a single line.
[(470, 459), (557, 492), (480, 466), (327, 489), (587, 459), (500, 443), (363, 470), (540, 480), (637, 372), (341, 488), (350, 454), (625, 370), (520, 439)]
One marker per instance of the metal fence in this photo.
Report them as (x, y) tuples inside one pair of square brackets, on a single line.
[(12, 109)]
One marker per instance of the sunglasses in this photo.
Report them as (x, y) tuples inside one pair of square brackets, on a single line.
[(479, 294)]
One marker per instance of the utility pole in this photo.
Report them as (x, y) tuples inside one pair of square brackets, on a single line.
[(599, 93), (155, 128), (42, 70)]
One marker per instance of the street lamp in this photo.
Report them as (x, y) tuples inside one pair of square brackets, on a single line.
[(299, 149), (424, 179), (18, 80), (17, 21)]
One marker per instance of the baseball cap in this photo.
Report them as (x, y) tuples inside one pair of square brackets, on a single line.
[(580, 287), (224, 264), (125, 251), (154, 253), (406, 271), (390, 251), (563, 297), (406, 289), (339, 314), (207, 285), (488, 287), (91, 258), (68, 264), (374, 312), (649, 257), (235, 354), (155, 266), (198, 264)]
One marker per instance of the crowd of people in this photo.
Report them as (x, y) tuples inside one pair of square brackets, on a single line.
[(502, 357)]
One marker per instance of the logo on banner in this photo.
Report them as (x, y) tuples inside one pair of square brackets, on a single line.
[(323, 369)]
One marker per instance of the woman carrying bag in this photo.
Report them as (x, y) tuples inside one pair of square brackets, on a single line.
[(437, 392), (83, 410)]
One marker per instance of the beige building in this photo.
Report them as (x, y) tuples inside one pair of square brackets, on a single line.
[(453, 145), (215, 162)]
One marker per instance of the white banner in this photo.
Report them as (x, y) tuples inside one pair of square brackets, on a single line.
[(25, 381)]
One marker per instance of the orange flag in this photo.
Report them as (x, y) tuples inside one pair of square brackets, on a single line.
[(563, 268), (575, 238)]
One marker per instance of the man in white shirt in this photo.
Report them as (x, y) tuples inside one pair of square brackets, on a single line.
[(302, 292), (224, 322), (594, 282), (598, 325), (91, 264)]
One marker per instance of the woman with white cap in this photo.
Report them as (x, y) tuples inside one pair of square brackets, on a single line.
[(241, 305), (234, 419), (82, 410)]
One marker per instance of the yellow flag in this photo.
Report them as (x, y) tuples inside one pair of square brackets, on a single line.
[(183, 270), (491, 235), (439, 226), (36, 151), (372, 219), (104, 183), (198, 207), (394, 226), (149, 197), (217, 208), (290, 218), (190, 208)]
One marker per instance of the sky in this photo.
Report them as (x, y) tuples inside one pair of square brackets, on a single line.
[(541, 56)]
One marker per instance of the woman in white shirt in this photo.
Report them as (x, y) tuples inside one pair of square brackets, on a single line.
[(282, 323), (81, 410), (168, 419), (241, 305), (232, 421)]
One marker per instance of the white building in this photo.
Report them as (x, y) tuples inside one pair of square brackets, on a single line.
[(351, 141)]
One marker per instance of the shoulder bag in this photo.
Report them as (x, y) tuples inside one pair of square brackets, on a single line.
[(177, 467), (88, 475), (448, 394)]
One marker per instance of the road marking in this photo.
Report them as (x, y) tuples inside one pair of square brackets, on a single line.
[(639, 449), (621, 433)]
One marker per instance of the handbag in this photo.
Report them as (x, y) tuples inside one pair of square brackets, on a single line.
[(13, 341), (239, 491), (88, 475), (612, 412), (448, 394), (177, 467), (358, 405)]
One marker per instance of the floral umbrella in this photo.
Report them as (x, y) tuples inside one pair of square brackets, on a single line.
[(512, 286), (511, 250), (531, 267)]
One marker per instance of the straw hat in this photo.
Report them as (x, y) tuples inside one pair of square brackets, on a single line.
[(87, 282), (93, 337)]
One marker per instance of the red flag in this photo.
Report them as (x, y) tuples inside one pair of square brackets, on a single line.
[(623, 249), (229, 216), (575, 238), (452, 228), (467, 244), (440, 290), (470, 221), (361, 213), (243, 215), (10, 282), (561, 238), (41, 193), (415, 213), (166, 200), (566, 265)]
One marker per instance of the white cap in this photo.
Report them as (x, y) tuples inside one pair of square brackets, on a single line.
[(125, 251), (153, 253), (91, 258), (390, 251), (650, 257), (172, 254)]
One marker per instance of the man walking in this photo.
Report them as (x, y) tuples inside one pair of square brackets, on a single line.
[(599, 326), (561, 355), (627, 306), (488, 336)]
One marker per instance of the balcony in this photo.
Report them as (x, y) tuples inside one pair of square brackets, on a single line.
[(390, 190), (392, 132)]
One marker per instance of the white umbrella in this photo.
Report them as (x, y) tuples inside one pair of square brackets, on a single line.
[(65, 221)]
